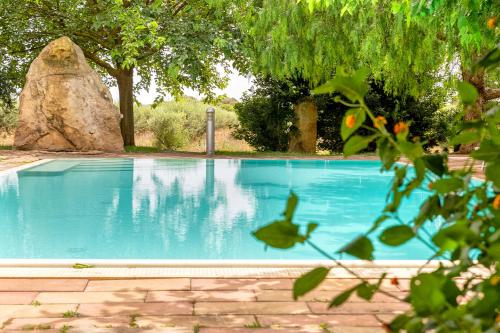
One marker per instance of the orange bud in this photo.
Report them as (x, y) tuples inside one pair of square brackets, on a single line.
[(350, 121), (380, 121), (492, 22), (400, 127), (395, 281), (429, 186), (496, 202)]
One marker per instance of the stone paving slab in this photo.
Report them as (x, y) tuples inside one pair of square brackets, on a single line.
[(208, 305)]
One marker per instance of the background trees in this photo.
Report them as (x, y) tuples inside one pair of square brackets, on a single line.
[(411, 46), (266, 114), (175, 43)]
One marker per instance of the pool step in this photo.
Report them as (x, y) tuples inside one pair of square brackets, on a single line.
[(52, 168)]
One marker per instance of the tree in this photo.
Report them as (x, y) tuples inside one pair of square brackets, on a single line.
[(267, 112), (411, 46), (176, 43)]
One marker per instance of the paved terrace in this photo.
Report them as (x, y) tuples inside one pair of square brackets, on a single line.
[(205, 305)]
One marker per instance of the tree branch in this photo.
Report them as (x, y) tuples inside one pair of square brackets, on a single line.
[(179, 6), (491, 94), (98, 61)]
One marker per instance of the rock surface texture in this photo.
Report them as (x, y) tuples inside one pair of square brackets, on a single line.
[(306, 114), (64, 105)]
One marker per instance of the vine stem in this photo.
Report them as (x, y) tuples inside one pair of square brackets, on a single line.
[(349, 270)]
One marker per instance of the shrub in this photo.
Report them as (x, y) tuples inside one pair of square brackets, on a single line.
[(8, 118), (168, 129), (175, 123)]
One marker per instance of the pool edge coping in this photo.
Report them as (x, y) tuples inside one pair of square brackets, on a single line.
[(157, 269), (213, 263)]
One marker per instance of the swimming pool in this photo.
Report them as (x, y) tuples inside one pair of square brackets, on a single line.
[(188, 208)]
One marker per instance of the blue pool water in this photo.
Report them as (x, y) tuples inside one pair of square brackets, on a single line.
[(188, 208)]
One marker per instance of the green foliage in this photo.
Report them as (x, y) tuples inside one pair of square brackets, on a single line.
[(8, 118), (266, 115), (175, 44), (176, 123), (309, 281), (405, 44), (464, 213), (168, 129)]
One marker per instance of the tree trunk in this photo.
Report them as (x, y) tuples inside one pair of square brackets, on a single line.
[(473, 112), (125, 80)]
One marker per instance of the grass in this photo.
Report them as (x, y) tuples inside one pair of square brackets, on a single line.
[(38, 327), (65, 329), (255, 324), (142, 149), (133, 320), (71, 314), (6, 147)]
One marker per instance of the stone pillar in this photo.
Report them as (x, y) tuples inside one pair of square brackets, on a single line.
[(304, 140)]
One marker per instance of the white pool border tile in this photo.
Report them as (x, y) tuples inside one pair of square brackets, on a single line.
[(126, 269)]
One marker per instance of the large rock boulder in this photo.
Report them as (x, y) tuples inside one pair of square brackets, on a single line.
[(304, 139), (64, 106)]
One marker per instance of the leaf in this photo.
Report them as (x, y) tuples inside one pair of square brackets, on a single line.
[(449, 238), (279, 234), (359, 116), (468, 93), (494, 251), (366, 291), (82, 266), (428, 210), (387, 152), (396, 235), (447, 185), (310, 228), (341, 298), (357, 143), (309, 281), (426, 295), (493, 173), (353, 87), (491, 59), (466, 137), (361, 248), (436, 163), (378, 222), (420, 166), (411, 150), (399, 322), (488, 152), (291, 205)]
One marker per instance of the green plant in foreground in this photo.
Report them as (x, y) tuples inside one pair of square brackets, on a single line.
[(461, 295)]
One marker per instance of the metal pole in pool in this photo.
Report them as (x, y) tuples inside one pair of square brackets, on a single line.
[(210, 131)]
